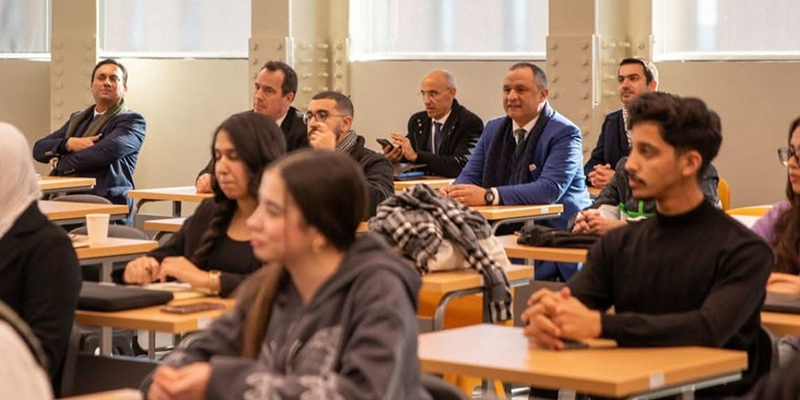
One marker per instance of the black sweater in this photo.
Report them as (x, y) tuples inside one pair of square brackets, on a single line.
[(693, 279)]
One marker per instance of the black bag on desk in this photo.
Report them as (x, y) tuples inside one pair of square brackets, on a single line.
[(544, 236), (99, 297)]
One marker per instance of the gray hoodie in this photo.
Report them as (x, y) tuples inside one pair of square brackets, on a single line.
[(356, 339)]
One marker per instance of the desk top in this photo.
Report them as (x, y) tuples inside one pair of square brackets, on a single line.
[(434, 182), (61, 210), (501, 352), (781, 323), (451, 281), (515, 250), (164, 225), (116, 247), (119, 394), (180, 193), (55, 183), (494, 213), (153, 319)]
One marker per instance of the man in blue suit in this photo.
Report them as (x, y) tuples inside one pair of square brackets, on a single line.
[(102, 141), (530, 156)]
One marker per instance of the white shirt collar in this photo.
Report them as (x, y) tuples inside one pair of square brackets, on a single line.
[(443, 119), (527, 126), (279, 121)]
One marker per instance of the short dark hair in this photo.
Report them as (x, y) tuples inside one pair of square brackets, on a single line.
[(538, 74), (289, 84), (343, 103), (115, 62), (650, 70), (686, 123)]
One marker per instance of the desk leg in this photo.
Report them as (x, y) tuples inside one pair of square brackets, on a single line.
[(176, 209), (105, 271), (438, 314), (139, 204), (151, 345), (105, 341)]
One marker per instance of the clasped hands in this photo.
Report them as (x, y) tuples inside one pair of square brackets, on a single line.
[(554, 316), (146, 269)]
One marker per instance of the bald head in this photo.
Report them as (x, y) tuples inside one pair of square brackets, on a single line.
[(438, 90)]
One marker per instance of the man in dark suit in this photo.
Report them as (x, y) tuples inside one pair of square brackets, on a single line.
[(635, 76), (276, 87), (443, 136), (102, 141)]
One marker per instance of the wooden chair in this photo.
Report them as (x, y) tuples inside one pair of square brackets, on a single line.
[(724, 193)]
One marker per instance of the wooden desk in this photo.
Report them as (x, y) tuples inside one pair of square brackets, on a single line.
[(781, 323), (174, 194), (503, 353), (514, 250), (119, 394), (163, 226), (434, 182), (501, 215), (64, 184), (69, 213), (114, 250)]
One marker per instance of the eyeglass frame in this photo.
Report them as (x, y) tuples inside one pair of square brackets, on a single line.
[(787, 153), (320, 117)]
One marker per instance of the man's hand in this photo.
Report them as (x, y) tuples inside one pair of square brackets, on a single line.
[(186, 383), (468, 195), (81, 143), (573, 319), (598, 225), (320, 136), (203, 183), (601, 175), (405, 144), (393, 153), (539, 328)]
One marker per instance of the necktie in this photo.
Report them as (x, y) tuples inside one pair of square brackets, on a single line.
[(437, 136), (519, 135)]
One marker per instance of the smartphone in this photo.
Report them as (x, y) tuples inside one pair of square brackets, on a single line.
[(383, 142), (192, 308), (572, 344)]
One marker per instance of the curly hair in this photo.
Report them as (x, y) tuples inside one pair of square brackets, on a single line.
[(786, 237)]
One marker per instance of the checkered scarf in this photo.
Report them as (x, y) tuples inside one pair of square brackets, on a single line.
[(415, 222)]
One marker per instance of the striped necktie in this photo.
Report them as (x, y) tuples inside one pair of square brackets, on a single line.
[(437, 136)]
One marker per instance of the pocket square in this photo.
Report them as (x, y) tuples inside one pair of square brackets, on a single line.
[(532, 167)]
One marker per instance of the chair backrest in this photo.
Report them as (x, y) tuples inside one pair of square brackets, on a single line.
[(83, 198), (117, 231), (439, 389), (724, 193), (8, 315), (755, 211)]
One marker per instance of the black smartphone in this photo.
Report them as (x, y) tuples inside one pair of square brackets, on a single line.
[(383, 142), (572, 344)]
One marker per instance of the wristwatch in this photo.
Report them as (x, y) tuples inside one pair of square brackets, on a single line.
[(488, 197)]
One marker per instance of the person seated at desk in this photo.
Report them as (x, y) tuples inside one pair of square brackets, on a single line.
[(780, 227), (40, 277), (331, 316), (443, 136), (615, 205), (275, 90), (330, 120), (102, 141), (212, 250), (689, 276), (635, 76)]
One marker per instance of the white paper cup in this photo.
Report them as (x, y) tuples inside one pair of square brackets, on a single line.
[(97, 228)]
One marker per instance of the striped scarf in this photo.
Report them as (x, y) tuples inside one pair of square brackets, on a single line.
[(94, 127), (346, 144)]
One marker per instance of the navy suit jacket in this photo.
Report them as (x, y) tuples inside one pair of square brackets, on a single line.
[(612, 144), (111, 161)]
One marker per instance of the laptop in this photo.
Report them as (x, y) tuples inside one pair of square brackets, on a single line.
[(782, 302), (106, 297)]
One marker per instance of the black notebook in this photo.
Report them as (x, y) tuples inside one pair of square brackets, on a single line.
[(100, 297), (782, 302)]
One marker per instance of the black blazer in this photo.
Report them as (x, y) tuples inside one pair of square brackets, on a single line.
[(612, 144), (461, 133), (40, 279)]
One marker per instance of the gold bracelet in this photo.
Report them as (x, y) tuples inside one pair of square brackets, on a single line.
[(214, 281)]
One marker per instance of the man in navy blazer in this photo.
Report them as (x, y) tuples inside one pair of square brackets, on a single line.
[(635, 76), (102, 141), (530, 156)]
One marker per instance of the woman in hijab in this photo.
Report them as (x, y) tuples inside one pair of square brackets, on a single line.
[(39, 273)]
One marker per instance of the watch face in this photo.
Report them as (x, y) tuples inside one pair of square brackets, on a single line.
[(489, 197)]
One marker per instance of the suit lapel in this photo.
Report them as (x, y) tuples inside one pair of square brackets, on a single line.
[(424, 134)]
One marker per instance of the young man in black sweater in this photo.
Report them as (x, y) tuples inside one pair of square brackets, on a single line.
[(690, 275)]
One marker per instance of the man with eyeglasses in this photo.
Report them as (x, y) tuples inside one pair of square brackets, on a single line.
[(443, 136), (330, 120), (275, 89)]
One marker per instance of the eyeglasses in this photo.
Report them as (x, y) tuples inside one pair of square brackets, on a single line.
[(320, 116), (786, 153), (431, 94)]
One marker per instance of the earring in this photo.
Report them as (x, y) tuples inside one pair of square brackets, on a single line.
[(316, 246)]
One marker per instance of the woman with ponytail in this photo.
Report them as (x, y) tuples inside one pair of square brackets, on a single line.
[(212, 251), (330, 316)]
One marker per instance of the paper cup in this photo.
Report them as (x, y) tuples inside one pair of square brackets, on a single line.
[(97, 228)]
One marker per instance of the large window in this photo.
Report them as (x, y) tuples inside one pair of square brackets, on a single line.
[(419, 29), (24, 27), (726, 29), (175, 28)]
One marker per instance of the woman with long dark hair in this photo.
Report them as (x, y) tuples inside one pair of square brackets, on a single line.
[(331, 315), (212, 250)]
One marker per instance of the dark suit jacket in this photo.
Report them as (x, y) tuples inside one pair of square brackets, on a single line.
[(461, 132), (40, 279), (611, 145), (111, 161)]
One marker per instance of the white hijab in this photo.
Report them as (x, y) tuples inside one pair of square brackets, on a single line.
[(18, 184)]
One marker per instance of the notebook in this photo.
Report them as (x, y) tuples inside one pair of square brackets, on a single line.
[(404, 171), (782, 302), (107, 297)]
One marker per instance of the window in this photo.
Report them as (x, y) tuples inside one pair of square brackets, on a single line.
[(726, 29), (420, 29), (24, 26), (175, 28)]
